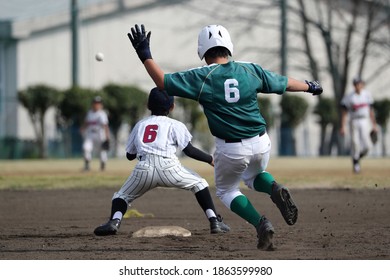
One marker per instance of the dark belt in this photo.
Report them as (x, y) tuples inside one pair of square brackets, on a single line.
[(239, 140)]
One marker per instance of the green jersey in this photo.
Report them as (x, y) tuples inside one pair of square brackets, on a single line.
[(228, 94)]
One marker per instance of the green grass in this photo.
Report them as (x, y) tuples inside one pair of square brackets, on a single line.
[(329, 172), (65, 174)]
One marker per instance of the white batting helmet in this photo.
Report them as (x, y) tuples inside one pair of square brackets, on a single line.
[(213, 36)]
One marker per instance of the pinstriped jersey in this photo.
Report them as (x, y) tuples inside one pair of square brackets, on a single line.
[(228, 94), (158, 135)]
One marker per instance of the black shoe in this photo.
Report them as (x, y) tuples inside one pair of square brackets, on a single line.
[(283, 200), (109, 228), (217, 225), (265, 233)]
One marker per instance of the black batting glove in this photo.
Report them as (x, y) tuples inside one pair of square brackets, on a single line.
[(314, 87), (140, 41)]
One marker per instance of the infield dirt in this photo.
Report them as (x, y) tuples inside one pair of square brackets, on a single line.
[(59, 224), (49, 209)]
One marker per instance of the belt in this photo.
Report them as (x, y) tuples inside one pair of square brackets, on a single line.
[(239, 140), (358, 117)]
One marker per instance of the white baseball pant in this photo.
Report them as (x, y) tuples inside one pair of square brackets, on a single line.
[(360, 137), (94, 143), (153, 171), (234, 162)]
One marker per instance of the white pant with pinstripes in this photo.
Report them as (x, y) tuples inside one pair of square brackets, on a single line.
[(155, 171)]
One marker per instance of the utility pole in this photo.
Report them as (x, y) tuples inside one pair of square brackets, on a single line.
[(75, 42), (285, 145), (283, 32)]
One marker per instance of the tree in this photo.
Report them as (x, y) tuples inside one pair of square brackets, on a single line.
[(353, 33), (124, 104), (72, 110), (294, 109), (266, 111), (76, 103), (326, 109), (382, 115), (37, 100)]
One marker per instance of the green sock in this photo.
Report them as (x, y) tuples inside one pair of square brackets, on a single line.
[(244, 208), (263, 182)]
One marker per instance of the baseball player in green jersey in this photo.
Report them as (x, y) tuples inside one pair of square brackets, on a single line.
[(228, 90)]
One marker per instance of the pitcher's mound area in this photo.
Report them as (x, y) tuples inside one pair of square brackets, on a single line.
[(159, 231)]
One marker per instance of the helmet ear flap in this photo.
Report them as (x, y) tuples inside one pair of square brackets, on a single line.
[(213, 36)]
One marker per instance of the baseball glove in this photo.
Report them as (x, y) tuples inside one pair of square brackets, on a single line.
[(374, 136), (106, 145)]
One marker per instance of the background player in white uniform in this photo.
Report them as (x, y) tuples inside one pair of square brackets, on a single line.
[(228, 90), (154, 141), (358, 104), (96, 133)]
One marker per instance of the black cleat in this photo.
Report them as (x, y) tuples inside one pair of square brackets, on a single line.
[(218, 226), (283, 200), (265, 233), (109, 228)]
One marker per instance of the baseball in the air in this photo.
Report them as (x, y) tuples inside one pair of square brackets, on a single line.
[(99, 56)]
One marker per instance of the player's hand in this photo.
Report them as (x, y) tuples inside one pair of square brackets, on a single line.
[(140, 41), (314, 87), (212, 162), (342, 131)]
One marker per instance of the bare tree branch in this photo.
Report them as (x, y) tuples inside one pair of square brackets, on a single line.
[(367, 37), (307, 41), (347, 45)]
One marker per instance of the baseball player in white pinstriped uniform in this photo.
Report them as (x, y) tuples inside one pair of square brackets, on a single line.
[(154, 141), (358, 104), (96, 134)]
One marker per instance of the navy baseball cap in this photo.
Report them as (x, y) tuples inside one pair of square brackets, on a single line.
[(97, 99), (159, 101), (357, 80)]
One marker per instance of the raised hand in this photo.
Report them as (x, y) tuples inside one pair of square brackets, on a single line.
[(140, 41)]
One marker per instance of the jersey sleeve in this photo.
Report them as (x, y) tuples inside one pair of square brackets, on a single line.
[(272, 82), (181, 135), (370, 100), (103, 118), (344, 101), (131, 147), (184, 84)]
